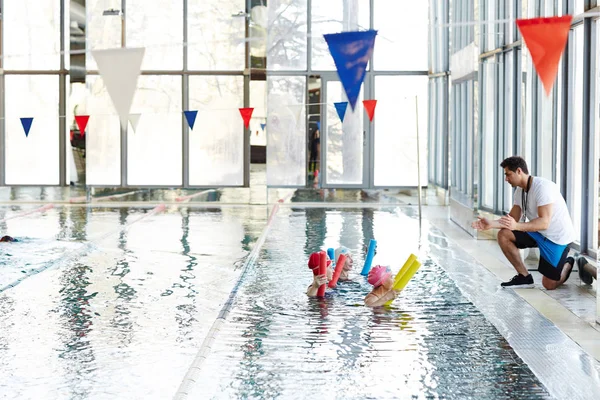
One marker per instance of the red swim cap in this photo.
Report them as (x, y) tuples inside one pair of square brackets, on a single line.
[(314, 261)]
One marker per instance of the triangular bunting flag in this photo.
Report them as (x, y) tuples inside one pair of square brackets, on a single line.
[(351, 52), (26, 122), (370, 107), (246, 115), (262, 126), (546, 39), (190, 116), (82, 121), (341, 109), (134, 120), (120, 69)]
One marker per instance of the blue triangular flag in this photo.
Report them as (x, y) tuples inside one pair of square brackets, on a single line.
[(351, 52), (341, 109), (190, 116), (319, 125), (26, 122), (263, 126)]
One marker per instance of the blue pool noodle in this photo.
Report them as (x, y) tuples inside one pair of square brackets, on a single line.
[(369, 259), (331, 254)]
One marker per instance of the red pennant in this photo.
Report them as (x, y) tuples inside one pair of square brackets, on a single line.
[(82, 121), (246, 115), (370, 107), (546, 39)]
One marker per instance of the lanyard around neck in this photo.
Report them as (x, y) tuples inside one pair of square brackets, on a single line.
[(525, 199)]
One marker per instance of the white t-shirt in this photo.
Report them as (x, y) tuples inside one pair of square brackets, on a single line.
[(543, 192)]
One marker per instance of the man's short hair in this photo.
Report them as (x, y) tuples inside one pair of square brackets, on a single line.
[(514, 162)]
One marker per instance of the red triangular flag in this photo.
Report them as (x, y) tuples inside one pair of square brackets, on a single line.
[(370, 107), (546, 39), (246, 115), (82, 121)]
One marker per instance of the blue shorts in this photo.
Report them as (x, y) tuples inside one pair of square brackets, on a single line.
[(552, 256)]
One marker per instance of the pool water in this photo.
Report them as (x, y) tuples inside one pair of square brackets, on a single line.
[(432, 342), (126, 317)]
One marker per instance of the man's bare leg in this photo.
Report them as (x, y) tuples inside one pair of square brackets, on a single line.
[(506, 240), (549, 284)]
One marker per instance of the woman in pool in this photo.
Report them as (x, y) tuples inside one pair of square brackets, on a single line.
[(313, 263), (7, 239), (381, 279), (344, 276)]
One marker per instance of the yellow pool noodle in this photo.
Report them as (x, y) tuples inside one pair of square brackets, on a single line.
[(412, 270), (398, 286), (412, 258)]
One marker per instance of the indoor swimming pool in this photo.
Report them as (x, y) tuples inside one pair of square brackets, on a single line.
[(108, 302)]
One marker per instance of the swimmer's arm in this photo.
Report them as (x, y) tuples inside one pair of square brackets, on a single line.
[(314, 287), (372, 300)]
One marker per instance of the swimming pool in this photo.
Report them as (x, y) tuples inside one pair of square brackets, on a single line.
[(127, 316), (432, 343)]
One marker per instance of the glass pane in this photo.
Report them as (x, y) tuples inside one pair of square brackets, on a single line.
[(32, 160), (102, 31), (154, 149), (258, 101), (217, 141), (159, 29), (402, 40), (574, 184), (286, 131), (31, 34), (396, 130), (103, 135), (333, 16), (287, 34), (344, 144), (216, 38), (488, 137)]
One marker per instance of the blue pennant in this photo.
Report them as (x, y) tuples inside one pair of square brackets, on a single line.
[(190, 116), (341, 109), (263, 126), (351, 52), (26, 122), (319, 124)]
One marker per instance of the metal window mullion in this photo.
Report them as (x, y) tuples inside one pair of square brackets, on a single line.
[(587, 135), (2, 102), (62, 123), (247, 77), (185, 102), (480, 188), (123, 129), (308, 37)]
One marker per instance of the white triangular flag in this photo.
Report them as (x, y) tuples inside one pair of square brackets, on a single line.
[(134, 120), (120, 69)]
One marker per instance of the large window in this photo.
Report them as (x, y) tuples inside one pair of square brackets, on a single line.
[(164, 41), (488, 135), (32, 159), (31, 34), (217, 159), (287, 35), (103, 139), (402, 31), (335, 16), (396, 130), (215, 38), (154, 148), (574, 167)]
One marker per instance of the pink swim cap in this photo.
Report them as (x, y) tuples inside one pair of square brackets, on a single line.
[(378, 274)]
